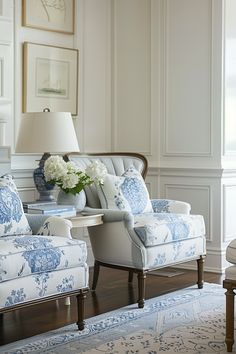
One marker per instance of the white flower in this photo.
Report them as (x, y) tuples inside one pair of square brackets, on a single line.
[(55, 168), (69, 178), (70, 181), (97, 171), (71, 167)]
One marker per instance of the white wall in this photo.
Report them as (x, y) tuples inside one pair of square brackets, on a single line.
[(156, 77), (6, 72), (94, 43)]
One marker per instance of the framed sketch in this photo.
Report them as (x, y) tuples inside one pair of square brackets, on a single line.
[(50, 15), (50, 78)]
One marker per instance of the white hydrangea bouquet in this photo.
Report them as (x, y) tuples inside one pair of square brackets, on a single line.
[(69, 178)]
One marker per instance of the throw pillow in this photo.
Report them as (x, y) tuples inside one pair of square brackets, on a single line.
[(12, 218), (127, 192)]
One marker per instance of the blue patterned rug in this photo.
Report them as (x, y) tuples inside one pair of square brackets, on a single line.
[(186, 321)]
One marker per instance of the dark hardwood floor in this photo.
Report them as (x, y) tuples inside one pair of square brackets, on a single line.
[(113, 291)]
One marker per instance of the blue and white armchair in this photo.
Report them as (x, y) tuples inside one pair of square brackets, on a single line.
[(39, 261), (138, 234)]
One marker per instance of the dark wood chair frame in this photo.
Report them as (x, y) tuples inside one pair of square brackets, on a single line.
[(80, 296), (141, 275), (230, 285)]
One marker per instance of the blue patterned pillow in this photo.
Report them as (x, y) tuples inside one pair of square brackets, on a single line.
[(12, 218), (127, 192)]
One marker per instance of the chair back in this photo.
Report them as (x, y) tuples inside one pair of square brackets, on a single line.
[(116, 164)]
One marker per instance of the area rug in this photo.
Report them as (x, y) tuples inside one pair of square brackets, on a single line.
[(186, 321)]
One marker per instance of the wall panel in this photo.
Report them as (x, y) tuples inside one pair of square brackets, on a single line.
[(6, 72), (131, 76), (230, 80), (229, 203), (187, 78), (96, 75)]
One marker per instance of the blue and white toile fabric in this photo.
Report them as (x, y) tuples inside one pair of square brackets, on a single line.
[(174, 252), (56, 226), (169, 238), (170, 206), (127, 192), (159, 228), (38, 266), (41, 285), (23, 256), (12, 217)]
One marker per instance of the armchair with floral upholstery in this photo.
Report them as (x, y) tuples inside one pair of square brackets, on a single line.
[(39, 261), (138, 234)]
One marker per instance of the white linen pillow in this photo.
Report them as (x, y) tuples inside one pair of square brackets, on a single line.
[(127, 192), (12, 217)]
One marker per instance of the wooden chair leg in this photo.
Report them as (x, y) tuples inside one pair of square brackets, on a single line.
[(200, 271), (130, 279), (141, 289), (80, 308), (95, 274), (229, 338)]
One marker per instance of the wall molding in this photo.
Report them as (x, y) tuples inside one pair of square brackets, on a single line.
[(166, 152), (228, 193), (116, 144)]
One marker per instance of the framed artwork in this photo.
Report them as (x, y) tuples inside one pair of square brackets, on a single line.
[(50, 78), (1, 8), (50, 15)]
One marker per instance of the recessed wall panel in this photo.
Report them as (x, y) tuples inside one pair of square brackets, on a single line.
[(229, 198), (230, 78), (131, 80), (187, 77)]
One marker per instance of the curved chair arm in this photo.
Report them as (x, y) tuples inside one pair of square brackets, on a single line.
[(49, 225), (112, 215), (170, 206), (36, 221)]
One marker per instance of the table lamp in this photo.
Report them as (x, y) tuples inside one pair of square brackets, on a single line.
[(46, 132)]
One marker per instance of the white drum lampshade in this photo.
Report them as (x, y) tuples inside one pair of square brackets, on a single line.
[(51, 132), (46, 132)]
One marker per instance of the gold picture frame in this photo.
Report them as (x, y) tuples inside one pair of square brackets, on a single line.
[(50, 78), (49, 15)]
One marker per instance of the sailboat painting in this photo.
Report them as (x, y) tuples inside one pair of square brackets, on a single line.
[(52, 78)]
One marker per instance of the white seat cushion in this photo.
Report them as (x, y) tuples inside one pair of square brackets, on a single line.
[(231, 252), (158, 228), (36, 286), (21, 256), (230, 273)]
